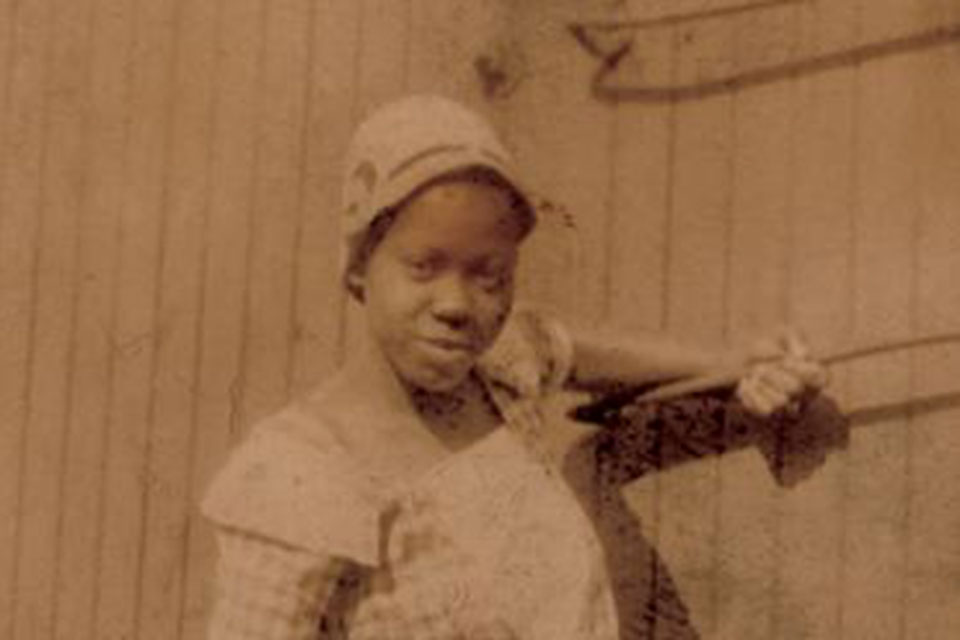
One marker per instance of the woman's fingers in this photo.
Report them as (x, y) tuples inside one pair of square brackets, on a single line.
[(789, 350), (779, 377), (771, 386), (781, 371), (759, 397)]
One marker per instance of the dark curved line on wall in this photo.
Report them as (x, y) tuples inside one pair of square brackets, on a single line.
[(606, 90), (682, 18)]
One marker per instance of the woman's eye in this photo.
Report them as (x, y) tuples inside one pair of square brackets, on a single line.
[(491, 278), (421, 268)]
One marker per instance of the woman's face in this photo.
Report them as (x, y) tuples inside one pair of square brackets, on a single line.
[(439, 286)]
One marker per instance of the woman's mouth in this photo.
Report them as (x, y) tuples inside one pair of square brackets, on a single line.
[(450, 348)]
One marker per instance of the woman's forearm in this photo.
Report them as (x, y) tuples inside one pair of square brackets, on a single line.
[(603, 360)]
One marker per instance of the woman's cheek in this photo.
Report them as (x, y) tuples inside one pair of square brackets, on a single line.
[(497, 310)]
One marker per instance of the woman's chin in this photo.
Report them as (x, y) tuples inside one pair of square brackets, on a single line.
[(444, 384), (443, 381)]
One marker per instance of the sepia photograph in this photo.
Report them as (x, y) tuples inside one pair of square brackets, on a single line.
[(479, 319)]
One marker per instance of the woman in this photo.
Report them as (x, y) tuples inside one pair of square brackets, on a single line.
[(411, 495)]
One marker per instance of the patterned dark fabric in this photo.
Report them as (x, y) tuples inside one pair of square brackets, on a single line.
[(637, 440)]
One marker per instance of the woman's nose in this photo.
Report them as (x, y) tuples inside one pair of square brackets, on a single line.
[(452, 300)]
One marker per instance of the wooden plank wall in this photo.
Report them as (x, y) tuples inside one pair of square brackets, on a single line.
[(168, 182)]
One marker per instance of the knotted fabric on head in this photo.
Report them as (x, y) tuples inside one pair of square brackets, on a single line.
[(403, 146)]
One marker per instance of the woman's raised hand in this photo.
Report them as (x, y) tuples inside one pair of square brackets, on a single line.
[(780, 371)]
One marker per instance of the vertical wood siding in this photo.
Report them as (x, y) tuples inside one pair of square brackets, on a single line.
[(169, 176)]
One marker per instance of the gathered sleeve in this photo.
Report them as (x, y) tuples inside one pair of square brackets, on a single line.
[(294, 524)]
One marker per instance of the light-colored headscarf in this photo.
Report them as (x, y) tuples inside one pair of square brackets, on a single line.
[(403, 146)]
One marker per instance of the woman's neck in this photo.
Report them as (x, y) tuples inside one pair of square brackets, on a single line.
[(395, 430), (456, 417)]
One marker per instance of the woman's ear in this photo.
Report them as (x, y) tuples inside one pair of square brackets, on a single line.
[(354, 281)]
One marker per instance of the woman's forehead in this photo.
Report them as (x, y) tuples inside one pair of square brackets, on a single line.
[(459, 212)]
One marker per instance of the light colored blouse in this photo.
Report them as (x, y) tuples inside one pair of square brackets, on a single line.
[(488, 544)]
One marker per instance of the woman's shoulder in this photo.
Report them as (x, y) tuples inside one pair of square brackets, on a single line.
[(533, 354), (289, 480)]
